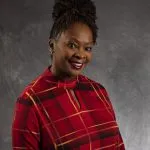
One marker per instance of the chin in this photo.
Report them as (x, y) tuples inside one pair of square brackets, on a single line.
[(76, 72)]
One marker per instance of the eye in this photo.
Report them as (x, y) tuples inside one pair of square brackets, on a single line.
[(88, 49), (72, 45)]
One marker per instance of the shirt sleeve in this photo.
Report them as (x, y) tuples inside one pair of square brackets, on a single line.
[(25, 127), (120, 143)]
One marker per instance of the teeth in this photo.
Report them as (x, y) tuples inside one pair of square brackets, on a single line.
[(77, 64)]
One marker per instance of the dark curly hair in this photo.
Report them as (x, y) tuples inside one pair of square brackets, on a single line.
[(67, 12)]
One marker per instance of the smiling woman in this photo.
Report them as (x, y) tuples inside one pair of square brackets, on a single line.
[(63, 109), (72, 51)]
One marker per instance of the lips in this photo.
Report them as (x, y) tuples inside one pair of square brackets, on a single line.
[(76, 65)]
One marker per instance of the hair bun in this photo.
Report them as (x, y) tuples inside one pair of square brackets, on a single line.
[(80, 7)]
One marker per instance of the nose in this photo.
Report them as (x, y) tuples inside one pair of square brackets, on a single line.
[(80, 54)]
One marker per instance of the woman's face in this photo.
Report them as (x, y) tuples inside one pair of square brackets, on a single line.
[(72, 51)]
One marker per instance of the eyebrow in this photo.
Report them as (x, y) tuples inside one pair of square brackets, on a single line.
[(86, 43)]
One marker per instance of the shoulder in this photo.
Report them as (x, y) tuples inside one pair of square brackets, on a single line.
[(37, 88), (89, 85), (88, 82)]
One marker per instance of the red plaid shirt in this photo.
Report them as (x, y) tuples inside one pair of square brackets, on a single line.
[(52, 114)]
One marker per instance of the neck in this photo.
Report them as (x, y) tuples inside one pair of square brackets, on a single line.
[(61, 75)]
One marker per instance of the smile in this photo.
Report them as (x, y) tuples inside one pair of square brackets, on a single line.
[(76, 65)]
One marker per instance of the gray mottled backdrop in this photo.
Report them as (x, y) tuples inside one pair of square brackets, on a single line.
[(121, 60)]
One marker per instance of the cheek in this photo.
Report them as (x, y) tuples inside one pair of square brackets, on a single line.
[(89, 57), (62, 54), (68, 53)]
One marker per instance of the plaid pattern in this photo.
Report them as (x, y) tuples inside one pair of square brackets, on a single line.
[(52, 114)]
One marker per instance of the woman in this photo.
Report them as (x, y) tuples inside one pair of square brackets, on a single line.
[(63, 109)]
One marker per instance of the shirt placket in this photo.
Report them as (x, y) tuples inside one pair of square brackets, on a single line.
[(75, 98)]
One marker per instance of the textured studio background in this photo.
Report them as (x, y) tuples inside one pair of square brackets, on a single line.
[(120, 60)]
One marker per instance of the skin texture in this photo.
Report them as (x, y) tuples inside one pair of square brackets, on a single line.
[(74, 44)]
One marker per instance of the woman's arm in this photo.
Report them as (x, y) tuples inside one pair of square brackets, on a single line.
[(120, 143), (25, 126)]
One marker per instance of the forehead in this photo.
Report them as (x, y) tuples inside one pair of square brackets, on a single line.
[(79, 31)]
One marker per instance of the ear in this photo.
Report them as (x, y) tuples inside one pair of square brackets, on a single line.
[(51, 43)]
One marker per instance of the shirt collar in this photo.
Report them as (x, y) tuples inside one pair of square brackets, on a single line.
[(65, 83)]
